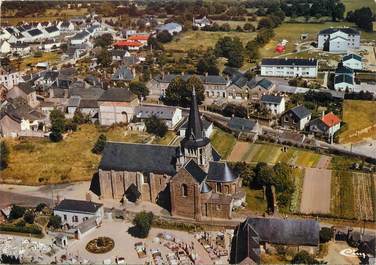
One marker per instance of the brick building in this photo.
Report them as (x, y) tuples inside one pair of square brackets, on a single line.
[(191, 179)]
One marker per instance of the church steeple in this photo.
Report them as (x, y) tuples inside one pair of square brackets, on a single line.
[(194, 135)]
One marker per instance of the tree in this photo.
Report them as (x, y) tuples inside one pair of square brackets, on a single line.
[(55, 221), (104, 58), (57, 125), (338, 11), (100, 144), (139, 88), (103, 41), (194, 82), (156, 126), (235, 59), (164, 36), (303, 257), (265, 22), (16, 212), (232, 49), (235, 110), (40, 207), (80, 118), (326, 234), (249, 27), (29, 217), (4, 155), (179, 92), (362, 17), (208, 63), (263, 175), (142, 223)]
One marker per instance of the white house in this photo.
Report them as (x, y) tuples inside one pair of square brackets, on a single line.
[(4, 34), (338, 39), (33, 35), (172, 28), (296, 118), (51, 32), (171, 116), (75, 212), (285, 67), (5, 47), (9, 78), (65, 26), (275, 104), (344, 78), (201, 22), (20, 48), (327, 125), (80, 38), (353, 61)]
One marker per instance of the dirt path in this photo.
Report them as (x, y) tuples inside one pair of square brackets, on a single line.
[(324, 162), (238, 151), (316, 191)]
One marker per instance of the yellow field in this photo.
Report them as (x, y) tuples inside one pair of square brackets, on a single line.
[(358, 114), (51, 57)]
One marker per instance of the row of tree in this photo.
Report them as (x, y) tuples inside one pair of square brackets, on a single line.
[(362, 17)]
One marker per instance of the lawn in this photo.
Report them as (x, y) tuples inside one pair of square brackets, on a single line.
[(255, 201), (50, 57), (342, 198), (296, 197), (273, 153), (292, 31), (356, 4), (165, 140), (39, 161), (358, 114), (203, 39), (223, 142)]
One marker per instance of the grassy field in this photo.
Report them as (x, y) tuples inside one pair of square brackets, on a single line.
[(356, 4), (170, 135), (292, 31), (342, 199), (358, 114), (203, 39), (37, 161), (50, 57), (297, 195), (273, 153), (223, 142), (255, 201)]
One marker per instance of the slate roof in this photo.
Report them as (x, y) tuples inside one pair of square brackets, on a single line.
[(341, 69), (219, 171), (117, 95), (139, 157), (51, 29), (161, 112), (78, 206), (343, 78), (88, 103), (241, 124), (123, 74), (169, 26), (286, 61), (209, 79), (352, 56), (73, 101), (35, 32), (81, 35), (18, 109), (195, 171), (300, 112), (349, 31), (286, 231), (205, 188), (265, 83), (26, 87), (271, 99)]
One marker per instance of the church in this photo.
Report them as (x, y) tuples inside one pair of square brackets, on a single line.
[(190, 180)]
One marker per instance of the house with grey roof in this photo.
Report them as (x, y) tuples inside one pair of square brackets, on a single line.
[(245, 128), (344, 78), (124, 74), (258, 232), (288, 67), (352, 61), (296, 118), (51, 31), (338, 39), (189, 179), (80, 37), (172, 28), (171, 116), (26, 91), (274, 104)]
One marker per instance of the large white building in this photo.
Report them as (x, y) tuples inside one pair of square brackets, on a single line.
[(338, 39), (75, 212), (344, 78), (353, 61), (284, 67)]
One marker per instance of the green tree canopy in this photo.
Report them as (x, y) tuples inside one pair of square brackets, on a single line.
[(156, 126), (4, 155), (100, 144), (179, 92), (142, 223), (139, 88)]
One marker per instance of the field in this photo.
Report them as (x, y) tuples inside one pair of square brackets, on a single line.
[(223, 142), (292, 31), (40, 161), (203, 39), (316, 191), (50, 57), (358, 114), (170, 135), (356, 4), (352, 195), (272, 153)]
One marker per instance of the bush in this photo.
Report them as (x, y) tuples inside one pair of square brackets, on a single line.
[(142, 224), (55, 221), (29, 217), (326, 234), (164, 36), (40, 207), (16, 212), (4, 155), (100, 144), (31, 229), (156, 126)]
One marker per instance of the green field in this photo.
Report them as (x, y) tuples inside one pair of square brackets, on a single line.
[(356, 4), (203, 39), (39, 161), (342, 199), (51, 57), (358, 114), (297, 195), (223, 142), (273, 153)]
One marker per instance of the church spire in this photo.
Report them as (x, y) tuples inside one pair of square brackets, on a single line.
[(194, 130)]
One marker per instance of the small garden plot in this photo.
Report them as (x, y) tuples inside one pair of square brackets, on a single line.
[(363, 198), (342, 198)]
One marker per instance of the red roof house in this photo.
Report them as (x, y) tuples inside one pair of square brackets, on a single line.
[(330, 119)]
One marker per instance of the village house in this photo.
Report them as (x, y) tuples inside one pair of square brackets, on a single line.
[(131, 45), (172, 28), (5, 47), (284, 67), (238, 89), (189, 179), (80, 38), (51, 32), (344, 78), (274, 104), (352, 61), (25, 91), (20, 48), (124, 74), (262, 87), (9, 78), (119, 54), (4, 34), (75, 212), (117, 105), (267, 233), (338, 39), (327, 125), (296, 118), (65, 26), (201, 22), (171, 116), (247, 128)]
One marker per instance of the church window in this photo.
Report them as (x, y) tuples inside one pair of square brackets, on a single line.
[(184, 190), (219, 188)]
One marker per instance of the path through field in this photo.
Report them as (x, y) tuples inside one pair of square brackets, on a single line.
[(324, 162), (238, 151), (316, 191)]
